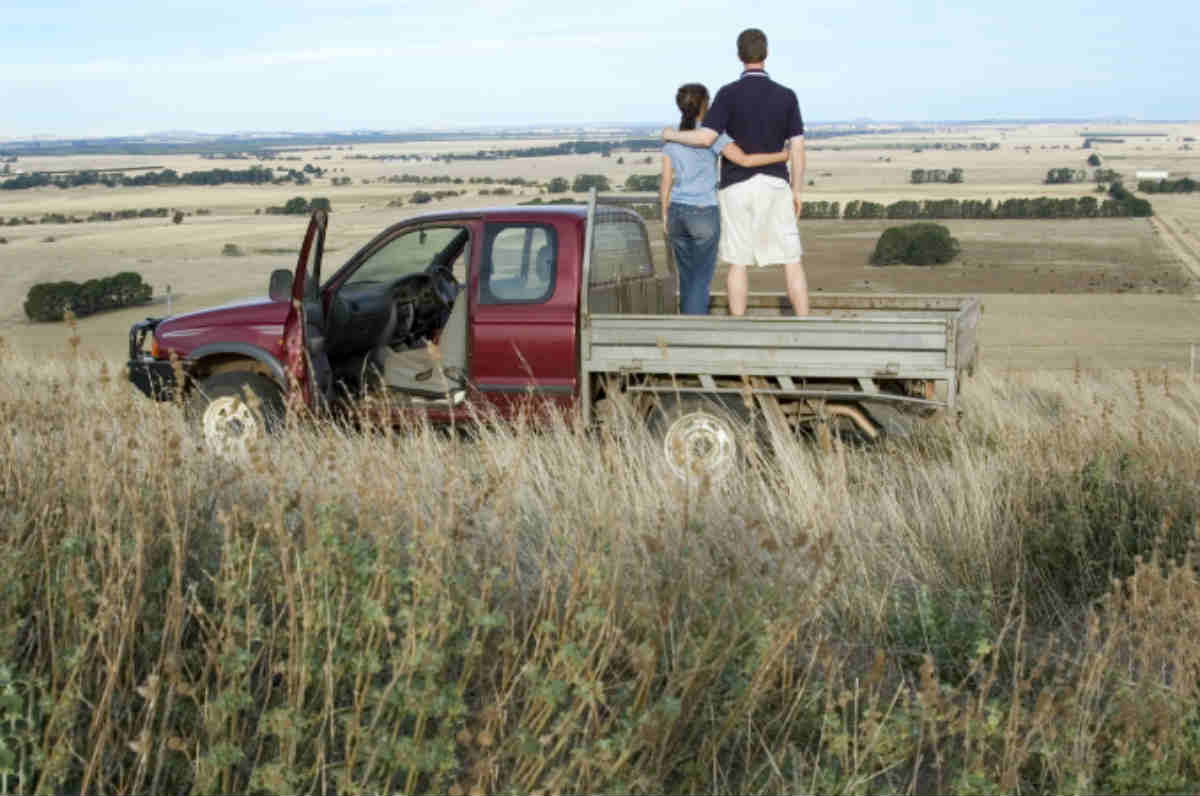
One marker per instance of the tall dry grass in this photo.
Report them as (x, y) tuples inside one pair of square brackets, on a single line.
[(1007, 603)]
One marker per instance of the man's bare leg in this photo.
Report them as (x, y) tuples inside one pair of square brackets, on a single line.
[(797, 288), (738, 287)]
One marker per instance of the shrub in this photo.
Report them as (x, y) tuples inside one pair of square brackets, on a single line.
[(643, 182), (231, 250), (585, 182), (1097, 519), (915, 244), (49, 301), (3, 241), (177, 218)]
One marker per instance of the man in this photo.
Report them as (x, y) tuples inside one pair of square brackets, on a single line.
[(758, 211)]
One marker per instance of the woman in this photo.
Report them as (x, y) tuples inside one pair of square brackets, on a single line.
[(688, 195)]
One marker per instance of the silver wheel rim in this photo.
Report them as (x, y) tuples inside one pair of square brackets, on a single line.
[(230, 427), (700, 444)]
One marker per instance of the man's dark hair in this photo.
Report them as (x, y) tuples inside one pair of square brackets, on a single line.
[(690, 100), (752, 46)]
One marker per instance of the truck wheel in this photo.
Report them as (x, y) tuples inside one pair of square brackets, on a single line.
[(229, 423), (700, 436)]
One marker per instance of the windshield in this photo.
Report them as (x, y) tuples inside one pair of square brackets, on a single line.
[(411, 253)]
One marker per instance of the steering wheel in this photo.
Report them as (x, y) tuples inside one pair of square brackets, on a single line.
[(409, 288), (445, 286)]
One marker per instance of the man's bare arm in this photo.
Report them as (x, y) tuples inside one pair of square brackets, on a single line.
[(700, 137), (736, 154), (796, 164)]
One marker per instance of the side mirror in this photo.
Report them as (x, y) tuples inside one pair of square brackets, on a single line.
[(280, 286)]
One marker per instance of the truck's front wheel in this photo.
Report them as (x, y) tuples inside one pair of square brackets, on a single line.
[(700, 437), (234, 410)]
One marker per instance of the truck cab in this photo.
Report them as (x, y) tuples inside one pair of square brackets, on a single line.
[(446, 314)]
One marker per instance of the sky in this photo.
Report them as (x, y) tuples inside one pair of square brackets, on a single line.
[(131, 68)]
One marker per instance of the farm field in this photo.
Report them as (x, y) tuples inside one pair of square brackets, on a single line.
[(1001, 602), (1116, 292)]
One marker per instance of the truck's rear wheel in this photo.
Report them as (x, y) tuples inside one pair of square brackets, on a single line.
[(228, 419), (700, 437)]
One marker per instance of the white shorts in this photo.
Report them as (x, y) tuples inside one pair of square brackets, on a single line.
[(758, 223)]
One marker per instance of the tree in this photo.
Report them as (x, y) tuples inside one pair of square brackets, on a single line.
[(585, 182), (297, 205), (915, 244), (1063, 176), (558, 185), (1093, 160), (643, 182), (178, 217), (50, 301)]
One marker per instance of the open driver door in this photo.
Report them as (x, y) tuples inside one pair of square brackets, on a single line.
[(305, 360)]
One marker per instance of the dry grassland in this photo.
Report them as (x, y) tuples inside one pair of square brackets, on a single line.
[(1009, 604), (1113, 260)]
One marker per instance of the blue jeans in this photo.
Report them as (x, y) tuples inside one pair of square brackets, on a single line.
[(694, 232)]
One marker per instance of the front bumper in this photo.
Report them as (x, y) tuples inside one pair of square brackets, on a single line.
[(153, 377)]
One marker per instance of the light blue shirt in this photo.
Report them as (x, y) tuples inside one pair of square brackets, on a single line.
[(694, 172)]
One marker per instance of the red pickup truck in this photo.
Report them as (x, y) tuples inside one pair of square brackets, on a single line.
[(455, 312)]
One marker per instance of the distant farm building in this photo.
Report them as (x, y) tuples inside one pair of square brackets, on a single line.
[(1152, 175)]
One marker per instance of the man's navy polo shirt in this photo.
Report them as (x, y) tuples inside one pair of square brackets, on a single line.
[(760, 115)]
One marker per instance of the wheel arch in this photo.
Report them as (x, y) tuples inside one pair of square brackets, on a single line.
[(225, 358)]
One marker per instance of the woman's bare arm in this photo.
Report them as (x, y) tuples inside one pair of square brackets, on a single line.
[(664, 188), (735, 153)]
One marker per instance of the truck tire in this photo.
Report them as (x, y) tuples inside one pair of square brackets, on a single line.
[(228, 422), (700, 436)]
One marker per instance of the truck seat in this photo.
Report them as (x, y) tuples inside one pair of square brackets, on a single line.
[(414, 370)]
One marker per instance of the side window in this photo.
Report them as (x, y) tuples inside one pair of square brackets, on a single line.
[(620, 248), (518, 264)]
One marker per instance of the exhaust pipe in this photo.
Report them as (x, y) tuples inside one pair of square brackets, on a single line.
[(857, 416)]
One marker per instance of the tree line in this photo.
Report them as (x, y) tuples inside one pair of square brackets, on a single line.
[(603, 148), (255, 175), (99, 215), (1066, 175), (1120, 203), (920, 176), (432, 179), (1182, 185), (299, 206), (50, 301)]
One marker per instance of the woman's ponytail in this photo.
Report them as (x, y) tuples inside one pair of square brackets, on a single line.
[(690, 99)]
